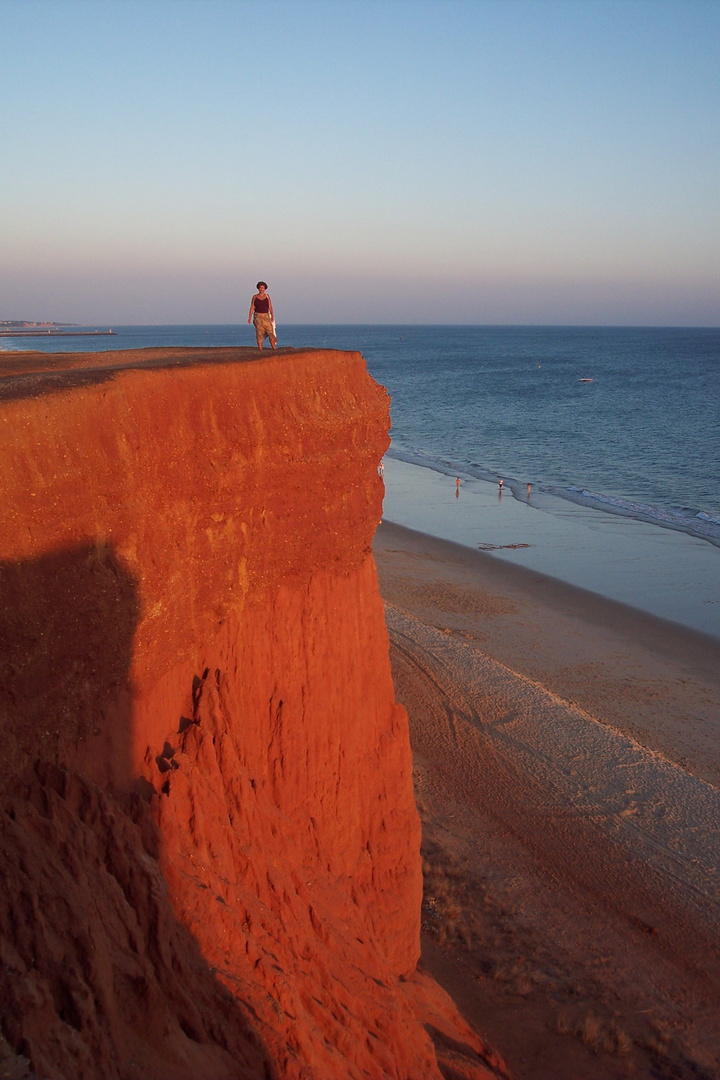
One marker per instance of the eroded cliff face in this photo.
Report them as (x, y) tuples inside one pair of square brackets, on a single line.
[(209, 842)]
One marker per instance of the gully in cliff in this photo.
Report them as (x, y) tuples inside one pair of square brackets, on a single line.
[(261, 313)]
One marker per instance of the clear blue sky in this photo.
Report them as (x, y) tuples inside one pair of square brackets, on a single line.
[(491, 161)]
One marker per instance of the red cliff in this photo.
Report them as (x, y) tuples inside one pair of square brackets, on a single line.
[(209, 843)]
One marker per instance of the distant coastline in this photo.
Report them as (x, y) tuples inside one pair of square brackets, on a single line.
[(15, 328), (26, 323)]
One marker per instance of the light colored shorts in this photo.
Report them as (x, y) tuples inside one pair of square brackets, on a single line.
[(263, 327)]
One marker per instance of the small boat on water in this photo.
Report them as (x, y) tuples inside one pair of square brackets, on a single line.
[(585, 380)]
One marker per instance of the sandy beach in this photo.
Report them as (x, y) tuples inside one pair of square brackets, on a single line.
[(567, 768)]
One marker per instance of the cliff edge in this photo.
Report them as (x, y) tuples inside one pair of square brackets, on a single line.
[(209, 845)]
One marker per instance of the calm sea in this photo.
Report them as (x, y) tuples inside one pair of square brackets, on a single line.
[(623, 419)]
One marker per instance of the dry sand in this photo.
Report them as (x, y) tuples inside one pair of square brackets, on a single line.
[(567, 764)]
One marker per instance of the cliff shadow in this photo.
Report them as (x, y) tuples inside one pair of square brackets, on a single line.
[(66, 627), (98, 980)]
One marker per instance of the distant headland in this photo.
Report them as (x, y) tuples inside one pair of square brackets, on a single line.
[(25, 323), (25, 328)]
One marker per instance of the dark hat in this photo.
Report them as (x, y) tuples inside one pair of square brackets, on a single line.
[(261, 283)]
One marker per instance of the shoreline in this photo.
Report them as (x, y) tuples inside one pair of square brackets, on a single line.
[(567, 766), (665, 572), (699, 525)]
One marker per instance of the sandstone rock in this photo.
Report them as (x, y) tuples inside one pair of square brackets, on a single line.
[(209, 843)]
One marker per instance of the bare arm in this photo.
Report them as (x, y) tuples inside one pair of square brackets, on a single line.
[(252, 308), (271, 313)]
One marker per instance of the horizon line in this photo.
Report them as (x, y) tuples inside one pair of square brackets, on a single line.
[(479, 326)]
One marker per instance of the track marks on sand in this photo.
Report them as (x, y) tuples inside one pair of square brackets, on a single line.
[(609, 851)]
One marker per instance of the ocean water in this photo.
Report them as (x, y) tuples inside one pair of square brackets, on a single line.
[(604, 423)]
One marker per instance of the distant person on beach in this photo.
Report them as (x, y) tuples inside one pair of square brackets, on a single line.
[(261, 313), (457, 487), (500, 482)]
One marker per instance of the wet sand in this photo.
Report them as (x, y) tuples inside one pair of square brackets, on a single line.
[(567, 766), (662, 571)]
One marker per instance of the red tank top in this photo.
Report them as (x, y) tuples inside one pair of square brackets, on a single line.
[(262, 304)]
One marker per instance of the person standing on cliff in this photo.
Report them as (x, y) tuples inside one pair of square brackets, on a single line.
[(261, 313)]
